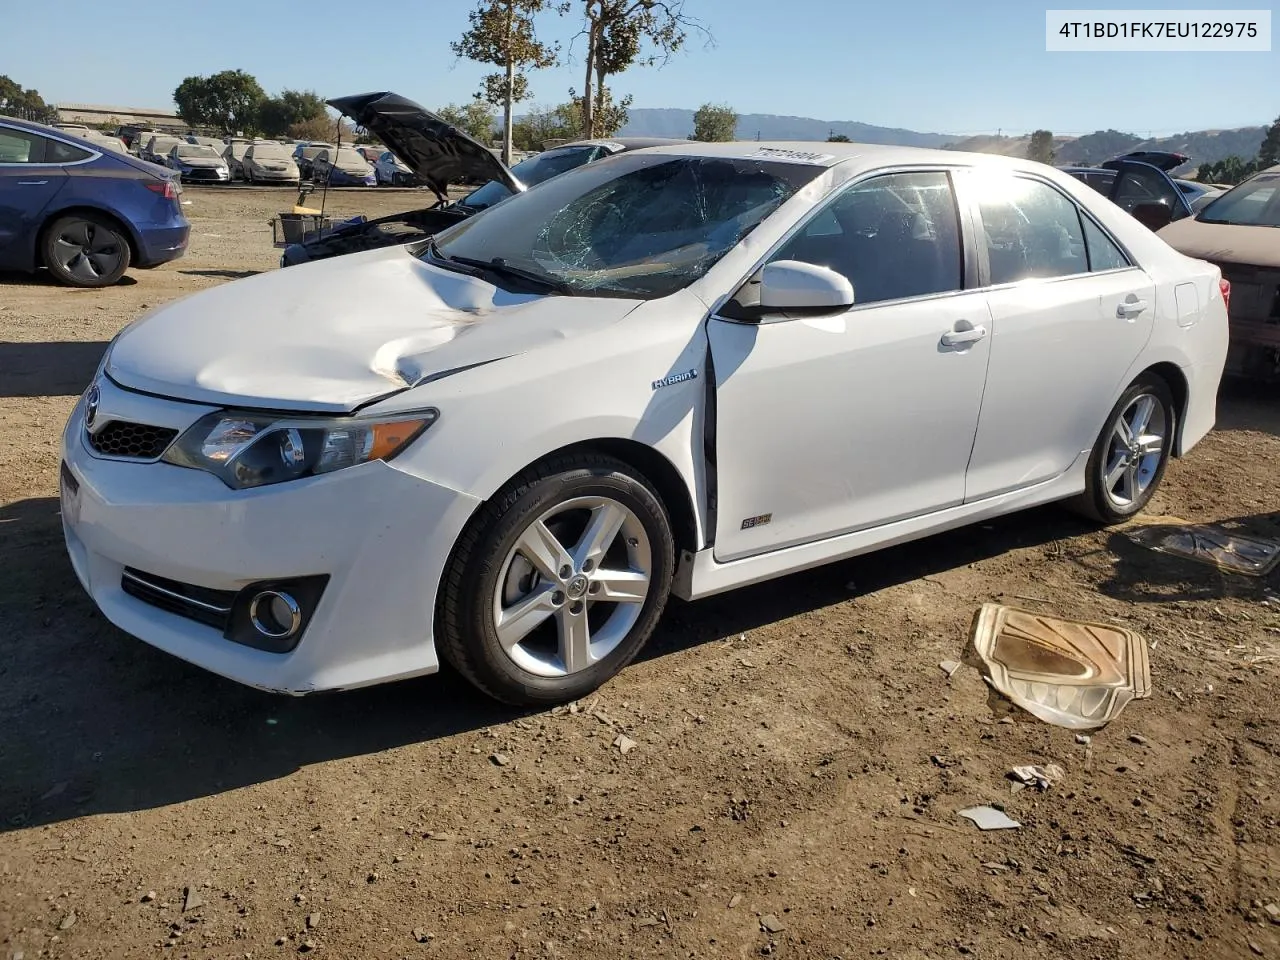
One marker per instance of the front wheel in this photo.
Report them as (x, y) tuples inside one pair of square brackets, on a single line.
[(1131, 453), (558, 581)]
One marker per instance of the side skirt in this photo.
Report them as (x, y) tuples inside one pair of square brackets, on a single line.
[(699, 575)]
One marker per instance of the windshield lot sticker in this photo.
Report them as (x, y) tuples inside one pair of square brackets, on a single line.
[(675, 378), (797, 156)]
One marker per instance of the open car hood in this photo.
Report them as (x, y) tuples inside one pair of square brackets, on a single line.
[(428, 145)]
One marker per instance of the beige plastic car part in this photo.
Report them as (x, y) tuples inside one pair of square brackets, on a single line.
[(1214, 545), (1071, 673)]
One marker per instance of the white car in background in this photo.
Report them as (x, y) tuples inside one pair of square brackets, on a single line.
[(678, 370), (269, 162), (391, 171)]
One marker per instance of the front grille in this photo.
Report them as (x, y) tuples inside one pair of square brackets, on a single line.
[(139, 441), (211, 607)]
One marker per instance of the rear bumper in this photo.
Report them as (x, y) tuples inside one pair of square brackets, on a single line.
[(158, 245)]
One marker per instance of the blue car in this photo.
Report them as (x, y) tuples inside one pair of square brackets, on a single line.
[(83, 213)]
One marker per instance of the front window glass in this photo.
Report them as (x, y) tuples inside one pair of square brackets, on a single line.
[(260, 152), (636, 225), (893, 236), (17, 146), (1029, 228), (1255, 203), (346, 155)]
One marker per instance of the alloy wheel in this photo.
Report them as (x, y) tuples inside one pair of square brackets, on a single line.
[(87, 251), (572, 586), (1136, 450)]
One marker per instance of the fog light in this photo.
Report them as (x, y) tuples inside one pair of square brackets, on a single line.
[(275, 614)]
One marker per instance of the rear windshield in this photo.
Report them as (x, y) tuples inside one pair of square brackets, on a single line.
[(1255, 203)]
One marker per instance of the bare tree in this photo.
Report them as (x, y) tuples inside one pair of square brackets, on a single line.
[(502, 33), (617, 34)]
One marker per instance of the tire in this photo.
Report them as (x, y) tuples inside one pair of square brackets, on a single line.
[(567, 643), (1120, 480), (85, 250)]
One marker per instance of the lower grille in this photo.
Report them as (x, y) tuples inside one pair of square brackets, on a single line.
[(140, 441), (210, 607)]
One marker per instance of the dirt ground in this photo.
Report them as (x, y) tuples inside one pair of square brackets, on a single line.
[(799, 759)]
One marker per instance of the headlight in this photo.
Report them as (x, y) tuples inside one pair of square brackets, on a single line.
[(252, 449)]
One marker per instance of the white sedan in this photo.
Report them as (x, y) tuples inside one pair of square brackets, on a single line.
[(678, 370)]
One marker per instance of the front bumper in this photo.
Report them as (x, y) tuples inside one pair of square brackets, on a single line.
[(380, 534), (206, 175)]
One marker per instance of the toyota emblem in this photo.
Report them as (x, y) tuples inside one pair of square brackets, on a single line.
[(91, 400)]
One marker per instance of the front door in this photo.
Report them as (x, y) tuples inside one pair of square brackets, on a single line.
[(830, 424), (27, 184), (1069, 315)]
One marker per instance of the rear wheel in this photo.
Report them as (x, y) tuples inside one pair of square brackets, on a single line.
[(1131, 453), (558, 582), (84, 250)]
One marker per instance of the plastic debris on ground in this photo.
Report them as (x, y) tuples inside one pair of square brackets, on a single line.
[(949, 667), (1072, 673), (1216, 546), (989, 818), (1036, 776)]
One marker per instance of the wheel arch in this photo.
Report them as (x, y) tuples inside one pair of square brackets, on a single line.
[(83, 208), (654, 466), (1176, 380)]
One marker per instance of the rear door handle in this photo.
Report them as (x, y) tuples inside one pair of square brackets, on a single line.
[(963, 334), (32, 183), (1130, 309)]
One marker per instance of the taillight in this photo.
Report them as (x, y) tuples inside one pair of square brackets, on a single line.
[(1224, 285), (166, 188)]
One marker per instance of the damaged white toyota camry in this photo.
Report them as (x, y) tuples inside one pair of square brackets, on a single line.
[(677, 370)]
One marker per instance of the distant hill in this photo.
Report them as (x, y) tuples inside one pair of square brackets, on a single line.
[(1202, 146), (651, 122)]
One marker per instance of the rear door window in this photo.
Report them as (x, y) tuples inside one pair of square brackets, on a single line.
[(1030, 230)]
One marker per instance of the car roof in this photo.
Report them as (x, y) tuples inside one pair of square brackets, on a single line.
[(822, 153)]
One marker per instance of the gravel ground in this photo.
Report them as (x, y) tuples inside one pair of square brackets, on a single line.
[(798, 758)]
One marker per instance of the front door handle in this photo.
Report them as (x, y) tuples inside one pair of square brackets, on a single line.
[(963, 332), (32, 183), (1130, 309)]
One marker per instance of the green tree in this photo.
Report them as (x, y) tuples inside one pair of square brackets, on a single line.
[(17, 101), (474, 117), (502, 33), (1269, 152), (838, 138), (618, 32), (1230, 170), (226, 101), (324, 128), (277, 114), (1040, 148), (714, 123)]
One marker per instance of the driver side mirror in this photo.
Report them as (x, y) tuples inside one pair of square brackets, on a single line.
[(795, 287)]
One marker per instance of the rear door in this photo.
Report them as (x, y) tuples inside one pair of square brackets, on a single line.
[(31, 174), (1070, 312)]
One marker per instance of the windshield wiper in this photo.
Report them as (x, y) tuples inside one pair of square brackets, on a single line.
[(500, 266)]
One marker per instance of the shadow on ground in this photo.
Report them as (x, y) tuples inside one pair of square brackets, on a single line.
[(54, 369), (222, 274), (43, 278), (95, 721)]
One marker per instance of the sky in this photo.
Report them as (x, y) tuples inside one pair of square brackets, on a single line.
[(928, 65)]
